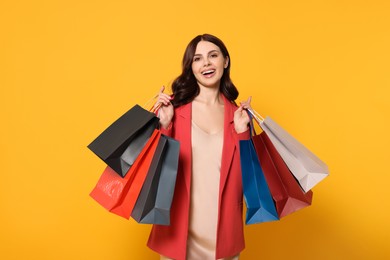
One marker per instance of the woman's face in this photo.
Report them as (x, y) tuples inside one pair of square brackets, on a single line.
[(208, 64)]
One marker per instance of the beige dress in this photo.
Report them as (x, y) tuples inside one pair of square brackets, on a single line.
[(206, 166)]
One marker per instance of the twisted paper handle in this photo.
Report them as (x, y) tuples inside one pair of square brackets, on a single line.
[(259, 119), (154, 109), (147, 104)]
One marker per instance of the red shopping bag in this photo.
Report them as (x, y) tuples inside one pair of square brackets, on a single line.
[(132, 189), (285, 190), (111, 187)]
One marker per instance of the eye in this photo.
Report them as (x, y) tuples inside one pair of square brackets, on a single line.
[(196, 59), (214, 55)]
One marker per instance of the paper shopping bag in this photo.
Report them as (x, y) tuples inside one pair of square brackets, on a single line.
[(133, 188), (155, 200), (307, 168), (111, 187), (148, 192), (286, 192), (257, 196), (121, 143)]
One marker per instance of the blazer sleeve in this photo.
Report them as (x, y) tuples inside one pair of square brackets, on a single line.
[(167, 131), (243, 136)]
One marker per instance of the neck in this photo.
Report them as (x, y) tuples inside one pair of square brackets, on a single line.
[(209, 96)]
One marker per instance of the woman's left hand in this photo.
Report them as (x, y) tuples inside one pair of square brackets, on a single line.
[(241, 117)]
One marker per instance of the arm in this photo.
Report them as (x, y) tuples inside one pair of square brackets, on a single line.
[(244, 135), (242, 120), (167, 131), (164, 112)]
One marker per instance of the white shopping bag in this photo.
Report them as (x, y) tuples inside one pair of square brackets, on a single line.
[(306, 167)]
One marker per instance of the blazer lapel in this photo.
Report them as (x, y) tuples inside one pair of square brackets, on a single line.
[(184, 136), (229, 143)]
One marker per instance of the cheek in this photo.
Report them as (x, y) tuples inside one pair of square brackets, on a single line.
[(222, 63), (195, 68)]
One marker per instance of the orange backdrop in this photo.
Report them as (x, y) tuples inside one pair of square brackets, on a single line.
[(69, 68)]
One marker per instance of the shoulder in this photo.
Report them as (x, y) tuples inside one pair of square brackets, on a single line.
[(230, 107), (230, 103), (183, 110)]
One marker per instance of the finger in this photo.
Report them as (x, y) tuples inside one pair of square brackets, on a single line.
[(239, 110), (161, 93), (162, 89), (247, 104), (168, 97), (163, 100), (157, 105), (248, 101)]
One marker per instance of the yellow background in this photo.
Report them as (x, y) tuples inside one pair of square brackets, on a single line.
[(70, 68)]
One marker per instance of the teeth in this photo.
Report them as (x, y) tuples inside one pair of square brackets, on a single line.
[(208, 71)]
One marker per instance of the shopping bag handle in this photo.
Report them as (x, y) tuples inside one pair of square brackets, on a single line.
[(251, 126), (258, 118), (152, 108)]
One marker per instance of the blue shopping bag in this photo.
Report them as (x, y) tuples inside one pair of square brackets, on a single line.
[(257, 196)]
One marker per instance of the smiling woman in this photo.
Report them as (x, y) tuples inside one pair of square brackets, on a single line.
[(206, 213), (186, 86), (208, 64)]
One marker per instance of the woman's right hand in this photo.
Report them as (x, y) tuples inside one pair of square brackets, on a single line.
[(165, 112)]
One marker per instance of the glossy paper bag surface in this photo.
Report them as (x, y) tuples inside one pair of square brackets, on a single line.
[(120, 144), (111, 187), (258, 199), (307, 168), (133, 187), (160, 212), (285, 190), (147, 196)]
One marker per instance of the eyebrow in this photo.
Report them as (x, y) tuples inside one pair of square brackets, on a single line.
[(207, 53)]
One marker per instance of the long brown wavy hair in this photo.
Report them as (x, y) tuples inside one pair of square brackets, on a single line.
[(185, 87)]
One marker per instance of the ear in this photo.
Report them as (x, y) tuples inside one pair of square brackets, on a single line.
[(226, 62)]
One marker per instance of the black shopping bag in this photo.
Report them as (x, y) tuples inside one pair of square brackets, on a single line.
[(155, 199), (121, 143)]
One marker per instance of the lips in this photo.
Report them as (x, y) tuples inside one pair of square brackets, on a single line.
[(208, 73)]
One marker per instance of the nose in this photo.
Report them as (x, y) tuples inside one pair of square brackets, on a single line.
[(206, 62)]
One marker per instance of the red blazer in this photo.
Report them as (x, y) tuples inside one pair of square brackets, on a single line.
[(171, 240)]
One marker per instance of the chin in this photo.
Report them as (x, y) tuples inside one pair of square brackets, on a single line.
[(210, 83)]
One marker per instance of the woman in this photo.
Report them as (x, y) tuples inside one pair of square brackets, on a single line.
[(206, 212)]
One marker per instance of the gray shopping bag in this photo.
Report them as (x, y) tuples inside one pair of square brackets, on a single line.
[(155, 199), (306, 167)]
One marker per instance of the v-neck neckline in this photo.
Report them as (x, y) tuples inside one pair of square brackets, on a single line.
[(205, 132)]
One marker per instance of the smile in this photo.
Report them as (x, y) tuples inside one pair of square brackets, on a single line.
[(208, 73)]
